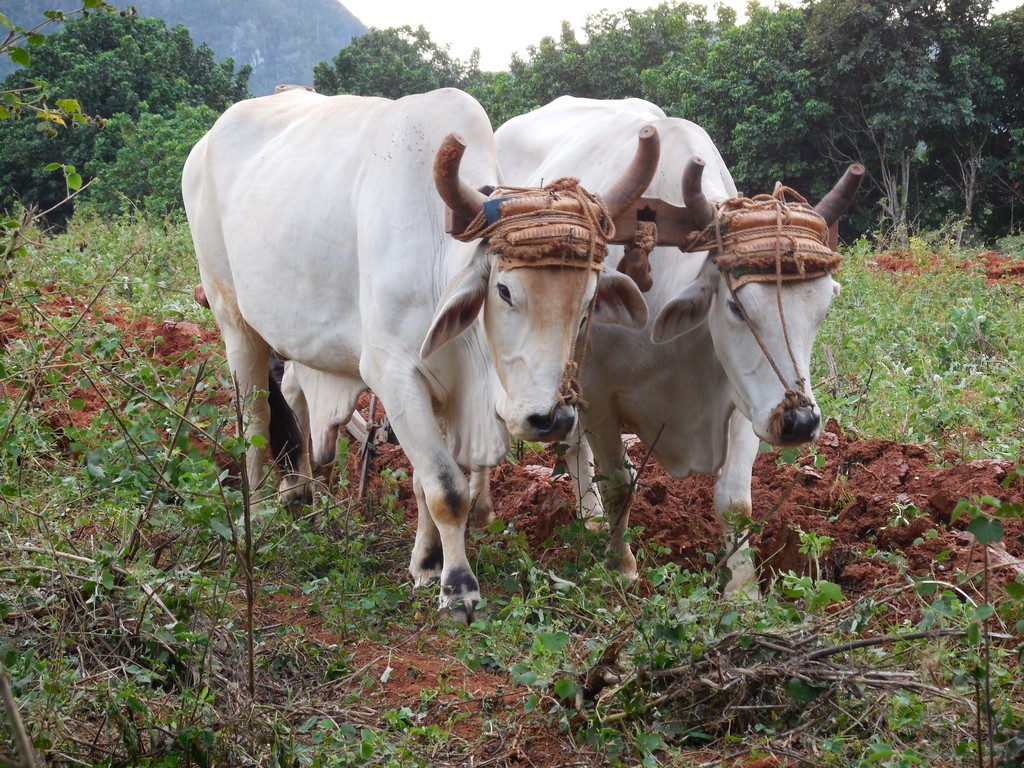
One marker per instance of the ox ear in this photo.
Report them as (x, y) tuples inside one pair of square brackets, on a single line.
[(684, 312), (620, 302), (459, 306)]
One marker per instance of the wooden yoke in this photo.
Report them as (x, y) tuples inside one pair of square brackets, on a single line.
[(675, 223)]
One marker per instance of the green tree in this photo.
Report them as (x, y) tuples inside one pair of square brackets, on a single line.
[(882, 61), (110, 64), (755, 92), (392, 63), (148, 155), (980, 158), (619, 52)]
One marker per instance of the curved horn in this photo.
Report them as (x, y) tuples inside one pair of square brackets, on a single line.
[(457, 195), (693, 194), (627, 190), (832, 205)]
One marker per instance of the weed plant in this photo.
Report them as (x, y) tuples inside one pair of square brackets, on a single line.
[(930, 354), (126, 577)]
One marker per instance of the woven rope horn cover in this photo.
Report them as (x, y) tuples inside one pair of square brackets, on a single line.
[(767, 238), (560, 224)]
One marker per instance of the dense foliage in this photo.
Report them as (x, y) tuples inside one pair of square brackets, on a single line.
[(280, 39), (393, 63), (927, 95), (116, 67)]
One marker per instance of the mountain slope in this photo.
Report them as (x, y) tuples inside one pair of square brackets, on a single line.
[(281, 39)]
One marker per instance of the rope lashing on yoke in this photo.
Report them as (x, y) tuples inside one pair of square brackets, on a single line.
[(768, 239), (558, 225), (635, 261)]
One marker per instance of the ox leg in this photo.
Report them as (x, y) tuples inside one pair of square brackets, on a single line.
[(427, 559), (248, 357), (732, 501), (442, 496), (481, 507), (579, 461), (618, 479), (298, 482)]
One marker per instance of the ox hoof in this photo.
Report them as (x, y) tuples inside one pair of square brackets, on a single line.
[(481, 515), (625, 566), (296, 491), (426, 567), (743, 582), (461, 612), (460, 595)]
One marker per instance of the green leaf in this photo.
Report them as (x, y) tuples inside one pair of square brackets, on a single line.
[(222, 528), (986, 530), (19, 56), (803, 691), (553, 641), (52, 167), (69, 105), (1015, 589), (36, 39), (982, 612), (973, 633), (565, 688), (961, 506), (74, 181), (4, 113)]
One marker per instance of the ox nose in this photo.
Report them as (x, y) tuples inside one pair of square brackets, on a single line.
[(554, 425), (799, 425)]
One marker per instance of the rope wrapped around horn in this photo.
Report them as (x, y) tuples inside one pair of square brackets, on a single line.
[(560, 224), (768, 238)]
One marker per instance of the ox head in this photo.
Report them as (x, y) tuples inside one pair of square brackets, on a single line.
[(535, 280), (764, 294)]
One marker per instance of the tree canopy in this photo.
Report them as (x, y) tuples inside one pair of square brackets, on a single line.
[(111, 64), (928, 94)]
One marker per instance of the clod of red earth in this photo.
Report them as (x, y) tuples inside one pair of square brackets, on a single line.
[(868, 494), (995, 266)]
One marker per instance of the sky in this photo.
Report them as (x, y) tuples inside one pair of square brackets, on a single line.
[(499, 29)]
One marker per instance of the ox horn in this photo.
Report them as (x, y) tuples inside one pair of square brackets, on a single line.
[(464, 201), (832, 205), (627, 190), (693, 194)]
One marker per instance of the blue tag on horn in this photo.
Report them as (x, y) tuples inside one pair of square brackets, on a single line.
[(492, 208)]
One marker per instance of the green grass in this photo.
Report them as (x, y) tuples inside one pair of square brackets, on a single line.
[(934, 357), (123, 578)]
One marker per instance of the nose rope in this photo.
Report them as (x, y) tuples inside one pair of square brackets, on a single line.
[(558, 225), (570, 390), (808, 249)]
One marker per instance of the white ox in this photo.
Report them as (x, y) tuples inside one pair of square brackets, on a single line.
[(316, 399), (695, 381), (318, 225)]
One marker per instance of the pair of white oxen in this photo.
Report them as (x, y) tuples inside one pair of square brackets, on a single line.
[(319, 228)]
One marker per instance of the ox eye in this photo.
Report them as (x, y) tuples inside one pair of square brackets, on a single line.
[(503, 294), (735, 309)]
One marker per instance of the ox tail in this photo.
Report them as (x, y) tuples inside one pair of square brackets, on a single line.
[(286, 439)]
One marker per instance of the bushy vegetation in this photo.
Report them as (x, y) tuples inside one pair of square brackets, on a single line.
[(157, 611), (129, 75), (926, 95), (133, 556), (929, 353)]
